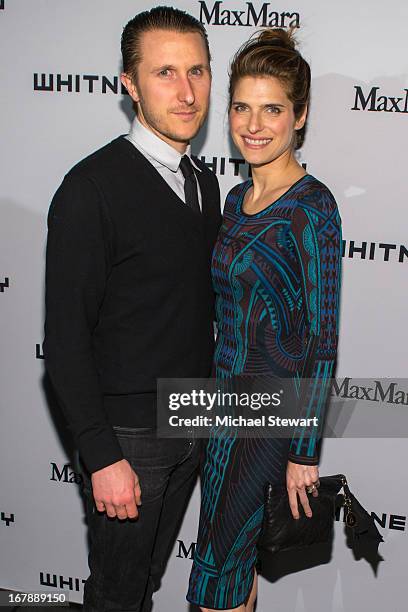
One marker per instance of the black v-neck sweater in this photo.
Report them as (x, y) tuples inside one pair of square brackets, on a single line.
[(128, 293)]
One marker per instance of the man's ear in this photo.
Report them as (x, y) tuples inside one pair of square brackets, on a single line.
[(130, 86), (302, 119)]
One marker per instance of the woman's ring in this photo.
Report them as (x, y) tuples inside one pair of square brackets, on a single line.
[(311, 488)]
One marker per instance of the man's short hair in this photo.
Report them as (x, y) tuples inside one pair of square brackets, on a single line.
[(158, 18)]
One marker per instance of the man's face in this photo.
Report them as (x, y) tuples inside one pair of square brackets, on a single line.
[(172, 87)]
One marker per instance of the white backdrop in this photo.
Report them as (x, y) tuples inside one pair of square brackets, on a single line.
[(359, 60)]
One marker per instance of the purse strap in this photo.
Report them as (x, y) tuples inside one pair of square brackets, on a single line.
[(350, 518)]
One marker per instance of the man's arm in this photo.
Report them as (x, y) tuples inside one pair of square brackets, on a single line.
[(77, 265)]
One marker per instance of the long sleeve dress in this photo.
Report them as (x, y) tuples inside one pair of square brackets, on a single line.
[(277, 276)]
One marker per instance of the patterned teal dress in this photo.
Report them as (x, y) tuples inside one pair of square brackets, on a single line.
[(277, 279)]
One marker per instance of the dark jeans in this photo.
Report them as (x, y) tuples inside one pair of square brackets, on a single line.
[(127, 558)]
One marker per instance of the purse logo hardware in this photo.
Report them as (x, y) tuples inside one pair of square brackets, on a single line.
[(350, 518)]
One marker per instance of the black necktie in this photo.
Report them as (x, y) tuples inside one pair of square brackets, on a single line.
[(190, 183)]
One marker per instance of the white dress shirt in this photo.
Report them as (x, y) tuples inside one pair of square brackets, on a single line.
[(162, 156)]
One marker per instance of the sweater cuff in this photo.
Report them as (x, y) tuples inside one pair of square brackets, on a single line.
[(100, 451), (303, 460)]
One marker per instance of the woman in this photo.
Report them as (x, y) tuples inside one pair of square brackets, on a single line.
[(276, 272)]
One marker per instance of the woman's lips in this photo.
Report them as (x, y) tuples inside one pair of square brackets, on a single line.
[(256, 143)]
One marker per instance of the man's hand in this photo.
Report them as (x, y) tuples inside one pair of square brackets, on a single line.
[(116, 489), (297, 478)]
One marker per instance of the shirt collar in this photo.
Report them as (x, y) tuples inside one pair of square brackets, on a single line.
[(156, 148)]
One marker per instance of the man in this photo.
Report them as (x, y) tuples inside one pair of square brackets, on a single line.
[(129, 300)]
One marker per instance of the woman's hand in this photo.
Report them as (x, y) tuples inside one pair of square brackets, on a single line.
[(297, 478)]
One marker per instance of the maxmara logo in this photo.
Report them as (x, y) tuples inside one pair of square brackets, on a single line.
[(64, 474), (185, 553), (372, 101), (379, 391), (217, 13)]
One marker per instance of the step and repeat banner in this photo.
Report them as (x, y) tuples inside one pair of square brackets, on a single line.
[(61, 99)]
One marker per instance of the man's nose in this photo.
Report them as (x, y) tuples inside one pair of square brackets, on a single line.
[(186, 92)]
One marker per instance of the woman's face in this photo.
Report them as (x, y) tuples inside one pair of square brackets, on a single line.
[(262, 120)]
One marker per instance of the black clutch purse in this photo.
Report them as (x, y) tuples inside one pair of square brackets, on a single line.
[(281, 532)]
